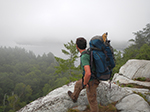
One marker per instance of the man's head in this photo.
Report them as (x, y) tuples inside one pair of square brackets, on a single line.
[(81, 43)]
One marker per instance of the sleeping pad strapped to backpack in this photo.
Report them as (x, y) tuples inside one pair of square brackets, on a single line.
[(102, 57)]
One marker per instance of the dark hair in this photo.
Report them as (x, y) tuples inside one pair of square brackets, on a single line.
[(81, 43)]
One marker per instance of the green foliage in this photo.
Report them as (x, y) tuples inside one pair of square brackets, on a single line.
[(141, 46), (118, 61), (23, 77), (139, 49), (46, 89), (144, 52), (73, 110), (142, 37), (67, 66), (61, 81), (140, 79)]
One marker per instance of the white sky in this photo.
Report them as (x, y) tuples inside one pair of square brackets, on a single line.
[(45, 25)]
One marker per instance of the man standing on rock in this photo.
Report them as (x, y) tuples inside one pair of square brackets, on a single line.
[(87, 81)]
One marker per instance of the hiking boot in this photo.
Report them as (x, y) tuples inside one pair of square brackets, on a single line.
[(73, 99)]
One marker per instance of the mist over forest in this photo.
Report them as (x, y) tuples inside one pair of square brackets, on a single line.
[(26, 76), (56, 48), (37, 39)]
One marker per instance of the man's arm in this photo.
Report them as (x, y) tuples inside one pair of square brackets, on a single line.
[(87, 74)]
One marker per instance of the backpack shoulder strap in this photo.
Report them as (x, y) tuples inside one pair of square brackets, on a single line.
[(85, 52)]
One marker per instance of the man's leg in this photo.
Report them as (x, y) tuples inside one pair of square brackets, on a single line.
[(77, 89), (92, 95)]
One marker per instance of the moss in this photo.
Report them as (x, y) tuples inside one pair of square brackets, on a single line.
[(130, 85), (134, 86), (118, 83), (142, 95), (122, 85), (140, 79), (73, 110), (108, 108)]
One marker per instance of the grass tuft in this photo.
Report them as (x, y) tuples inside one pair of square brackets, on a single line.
[(108, 108)]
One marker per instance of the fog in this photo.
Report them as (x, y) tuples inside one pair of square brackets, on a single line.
[(43, 26)]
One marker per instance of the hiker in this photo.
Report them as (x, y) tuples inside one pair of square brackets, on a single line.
[(88, 81)]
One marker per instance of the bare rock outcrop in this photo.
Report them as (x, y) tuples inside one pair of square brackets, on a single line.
[(136, 68)]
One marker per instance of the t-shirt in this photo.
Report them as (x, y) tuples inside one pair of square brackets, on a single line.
[(85, 60)]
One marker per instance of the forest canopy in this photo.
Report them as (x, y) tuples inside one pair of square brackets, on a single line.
[(25, 77)]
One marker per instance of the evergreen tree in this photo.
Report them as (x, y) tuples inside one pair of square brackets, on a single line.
[(141, 44), (142, 37), (67, 66)]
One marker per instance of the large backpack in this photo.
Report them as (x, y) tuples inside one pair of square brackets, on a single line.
[(102, 57)]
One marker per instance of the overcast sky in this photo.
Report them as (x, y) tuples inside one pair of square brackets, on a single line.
[(45, 25)]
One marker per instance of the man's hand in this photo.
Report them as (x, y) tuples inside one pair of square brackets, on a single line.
[(87, 86)]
